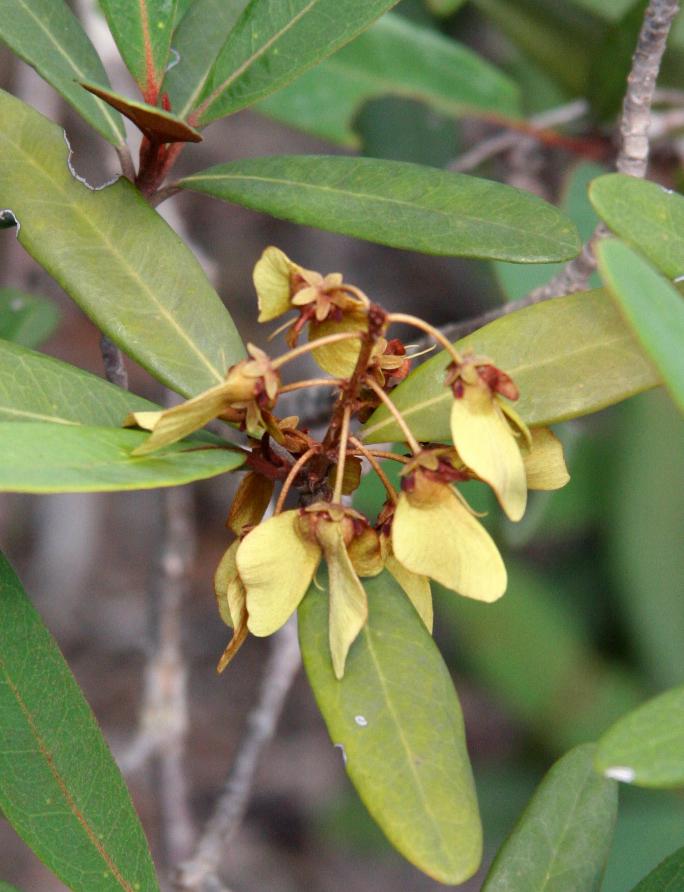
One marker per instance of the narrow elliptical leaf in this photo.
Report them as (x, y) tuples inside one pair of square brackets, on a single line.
[(47, 35), (646, 747), (653, 308), (115, 257), (398, 204), (562, 840), (44, 457), (142, 30), (394, 57), (35, 387), (669, 875), (273, 42), (569, 357), (396, 719), (59, 785)]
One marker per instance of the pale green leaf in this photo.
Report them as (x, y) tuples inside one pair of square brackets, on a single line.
[(562, 839), (569, 356), (59, 785), (154, 122), (646, 747), (201, 34), (25, 318), (142, 30), (398, 204), (396, 719), (44, 457), (653, 308), (115, 257), (647, 216), (47, 35), (273, 42), (392, 58), (35, 387), (667, 877)]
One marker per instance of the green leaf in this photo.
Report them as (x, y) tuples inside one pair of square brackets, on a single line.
[(142, 31), (611, 10), (35, 387), (392, 58), (397, 720), (398, 204), (273, 42), (153, 122), (201, 34), (653, 308), (569, 356), (647, 216), (115, 257), (667, 875), (59, 785), (562, 839), (5, 887), (643, 534), (43, 457), (25, 318), (47, 35), (646, 747)]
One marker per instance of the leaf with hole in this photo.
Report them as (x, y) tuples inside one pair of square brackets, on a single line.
[(59, 785), (142, 30), (115, 257), (26, 318), (652, 307), (646, 747), (392, 58), (394, 203), (562, 839), (273, 42), (47, 35), (569, 357), (396, 719)]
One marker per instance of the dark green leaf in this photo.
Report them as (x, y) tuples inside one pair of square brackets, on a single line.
[(200, 35), (643, 533), (47, 35), (647, 216), (142, 31), (562, 839), (397, 720), (59, 786), (154, 122), (646, 747), (5, 887), (25, 318), (115, 256), (653, 308), (56, 457), (397, 204), (35, 387), (569, 356), (612, 10), (667, 876), (392, 58), (444, 7), (273, 42)]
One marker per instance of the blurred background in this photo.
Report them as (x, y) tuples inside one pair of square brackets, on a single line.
[(593, 621)]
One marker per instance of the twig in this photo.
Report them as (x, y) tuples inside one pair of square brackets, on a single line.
[(501, 142), (199, 874), (632, 159), (113, 361)]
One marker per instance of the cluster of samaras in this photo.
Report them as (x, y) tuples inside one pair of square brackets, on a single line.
[(425, 531)]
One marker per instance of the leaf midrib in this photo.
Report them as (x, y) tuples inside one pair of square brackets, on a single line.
[(381, 199)]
